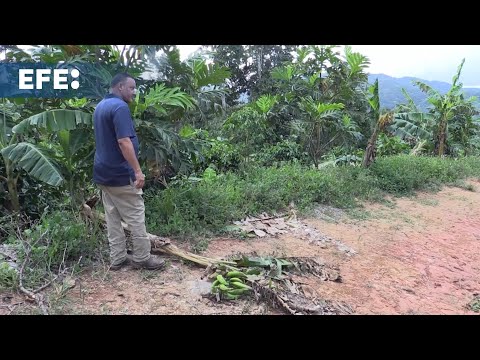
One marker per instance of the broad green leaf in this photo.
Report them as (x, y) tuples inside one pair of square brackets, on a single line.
[(283, 73), (72, 141), (266, 102), (35, 162), (254, 261), (374, 99), (55, 120)]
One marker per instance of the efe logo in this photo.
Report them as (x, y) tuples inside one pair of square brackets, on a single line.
[(60, 80)]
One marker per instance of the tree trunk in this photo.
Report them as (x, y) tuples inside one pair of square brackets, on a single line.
[(12, 186), (371, 150), (442, 138), (260, 62)]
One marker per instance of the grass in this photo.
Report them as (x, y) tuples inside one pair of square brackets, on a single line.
[(475, 304), (463, 185), (204, 208), (428, 202), (360, 214), (196, 210), (59, 240)]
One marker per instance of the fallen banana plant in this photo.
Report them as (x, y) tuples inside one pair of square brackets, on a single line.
[(267, 278), (272, 280)]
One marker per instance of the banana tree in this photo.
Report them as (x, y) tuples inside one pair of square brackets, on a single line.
[(35, 158), (370, 153), (411, 125), (381, 122), (449, 109), (7, 121), (465, 131)]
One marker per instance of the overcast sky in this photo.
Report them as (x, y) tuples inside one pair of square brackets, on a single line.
[(428, 62)]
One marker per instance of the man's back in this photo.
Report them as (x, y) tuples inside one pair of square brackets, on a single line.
[(112, 121)]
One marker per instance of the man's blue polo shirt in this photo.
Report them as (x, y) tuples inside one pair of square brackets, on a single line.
[(112, 121)]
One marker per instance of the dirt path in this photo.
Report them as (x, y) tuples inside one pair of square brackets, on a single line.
[(420, 255)]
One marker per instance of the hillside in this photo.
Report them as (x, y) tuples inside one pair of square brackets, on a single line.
[(391, 90)]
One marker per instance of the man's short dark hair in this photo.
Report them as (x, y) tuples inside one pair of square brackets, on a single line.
[(120, 78)]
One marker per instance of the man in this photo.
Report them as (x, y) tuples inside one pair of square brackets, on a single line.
[(118, 174)]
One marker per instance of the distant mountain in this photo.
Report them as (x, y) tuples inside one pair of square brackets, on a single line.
[(391, 90)]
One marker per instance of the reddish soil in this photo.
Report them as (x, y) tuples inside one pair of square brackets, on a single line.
[(417, 255)]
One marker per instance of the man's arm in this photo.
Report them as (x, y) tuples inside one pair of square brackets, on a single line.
[(128, 152)]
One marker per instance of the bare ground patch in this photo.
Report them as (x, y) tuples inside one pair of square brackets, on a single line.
[(418, 256)]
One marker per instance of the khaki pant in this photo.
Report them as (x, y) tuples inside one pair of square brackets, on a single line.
[(125, 203)]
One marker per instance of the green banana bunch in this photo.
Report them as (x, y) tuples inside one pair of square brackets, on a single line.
[(231, 287)]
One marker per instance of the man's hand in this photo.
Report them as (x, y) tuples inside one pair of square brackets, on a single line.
[(128, 152), (140, 179)]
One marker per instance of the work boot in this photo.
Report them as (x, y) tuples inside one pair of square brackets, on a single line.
[(125, 262), (152, 263)]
